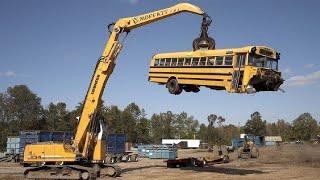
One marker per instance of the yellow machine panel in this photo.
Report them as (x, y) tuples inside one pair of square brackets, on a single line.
[(48, 152)]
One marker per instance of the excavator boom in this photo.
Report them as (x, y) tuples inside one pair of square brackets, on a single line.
[(106, 63), (86, 155)]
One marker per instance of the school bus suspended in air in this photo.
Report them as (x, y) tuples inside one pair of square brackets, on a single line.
[(238, 70)]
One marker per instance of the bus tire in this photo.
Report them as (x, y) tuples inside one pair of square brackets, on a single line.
[(174, 87)]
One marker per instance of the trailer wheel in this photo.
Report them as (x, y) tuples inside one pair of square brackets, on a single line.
[(225, 159), (85, 175), (204, 163), (136, 158), (129, 158), (113, 160)]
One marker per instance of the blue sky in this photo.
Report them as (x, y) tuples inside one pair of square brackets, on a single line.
[(52, 47)]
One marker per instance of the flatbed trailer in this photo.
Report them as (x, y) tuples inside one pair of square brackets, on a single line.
[(184, 162)]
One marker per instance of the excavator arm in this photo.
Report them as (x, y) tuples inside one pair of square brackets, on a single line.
[(85, 136)]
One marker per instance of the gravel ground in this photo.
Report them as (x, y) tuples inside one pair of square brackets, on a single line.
[(283, 162)]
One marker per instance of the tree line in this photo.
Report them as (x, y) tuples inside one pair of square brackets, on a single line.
[(21, 109)]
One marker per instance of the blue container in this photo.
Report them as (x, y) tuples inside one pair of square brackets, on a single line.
[(30, 137), (234, 143), (116, 143), (270, 143), (13, 145), (158, 151), (259, 140)]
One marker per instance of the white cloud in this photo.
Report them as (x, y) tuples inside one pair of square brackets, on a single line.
[(308, 66), (133, 1), (8, 74), (304, 80)]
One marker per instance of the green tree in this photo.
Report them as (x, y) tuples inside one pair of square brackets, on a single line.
[(272, 129), (255, 125), (185, 126), (24, 107), (212, 118), (114, 122), (228, 132), (143, 130), (162, 126), (57, 117), (285, 129), (305, 127), (20, 109), (131, 116), (203, 134)]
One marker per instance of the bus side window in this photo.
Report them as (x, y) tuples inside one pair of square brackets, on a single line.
[(228, 61), (195, 61), (203, 61), (219, 60), (180, 61), (162, 62), (156, 62), (187, 62), (168, 61), (210, 61), (174, 62)]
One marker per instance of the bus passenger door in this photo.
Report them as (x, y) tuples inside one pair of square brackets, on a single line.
[(237, 74)]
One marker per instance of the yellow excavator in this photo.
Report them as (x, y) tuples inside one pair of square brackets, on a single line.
[(84, 158)]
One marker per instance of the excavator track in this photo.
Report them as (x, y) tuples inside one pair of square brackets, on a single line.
[(110, 170), (71, 172)]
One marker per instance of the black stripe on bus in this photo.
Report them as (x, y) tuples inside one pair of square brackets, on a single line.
[(193, 73), (202, 79), (192, 66), (189, 78)]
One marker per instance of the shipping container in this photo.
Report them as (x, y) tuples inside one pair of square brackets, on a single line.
[(30, 137), (13, 145), (116, 143), (118, 150), (158, 151)]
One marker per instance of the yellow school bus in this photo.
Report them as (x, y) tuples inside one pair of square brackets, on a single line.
[(248, 69)]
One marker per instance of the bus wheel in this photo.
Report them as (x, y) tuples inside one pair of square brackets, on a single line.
[(174, 87)]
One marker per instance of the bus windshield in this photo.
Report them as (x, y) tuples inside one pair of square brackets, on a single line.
[(263, 61)]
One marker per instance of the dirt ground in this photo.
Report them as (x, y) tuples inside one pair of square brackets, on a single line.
[(289, 161)]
